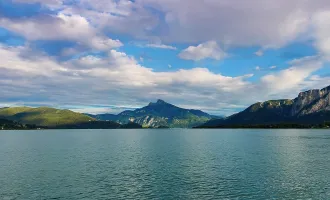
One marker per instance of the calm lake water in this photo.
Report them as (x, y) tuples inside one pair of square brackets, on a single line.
[(165, 164)]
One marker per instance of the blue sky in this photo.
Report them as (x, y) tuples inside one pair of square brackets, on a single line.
[(111, 55)]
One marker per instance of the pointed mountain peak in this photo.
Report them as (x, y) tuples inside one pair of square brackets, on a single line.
[(159, 102)]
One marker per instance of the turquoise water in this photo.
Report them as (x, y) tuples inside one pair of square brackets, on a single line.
[(165, 164)]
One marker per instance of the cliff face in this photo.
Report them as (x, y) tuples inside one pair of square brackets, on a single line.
[(310, 102), (151, 121), (280, 107)]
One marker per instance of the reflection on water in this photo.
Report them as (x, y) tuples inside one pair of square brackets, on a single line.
[(165, 164)]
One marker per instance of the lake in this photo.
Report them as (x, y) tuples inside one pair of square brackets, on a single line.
[(165, 164)]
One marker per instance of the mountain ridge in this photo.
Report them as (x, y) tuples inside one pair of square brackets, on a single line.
[(309, 107), (52, 118)]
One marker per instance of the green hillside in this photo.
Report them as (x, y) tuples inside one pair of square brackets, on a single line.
[(43, 116)]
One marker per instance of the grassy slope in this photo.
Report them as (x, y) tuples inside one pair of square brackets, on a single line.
[(43, 116)]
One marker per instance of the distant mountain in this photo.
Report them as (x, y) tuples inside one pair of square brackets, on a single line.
[(310, 107), (160, 114), (44, 116), (103, 117)]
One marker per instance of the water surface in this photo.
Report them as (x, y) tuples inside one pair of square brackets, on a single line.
[(165, 164)]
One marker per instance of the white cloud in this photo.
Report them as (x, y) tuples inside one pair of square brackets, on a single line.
[(49, 3), (100, 43), (161, 46), (37, 65), (293, 77), (296, 23), (321, 24), (50, 27), (119, 17), (69, 51), (272, 67), (258, 68), (205, 50), (60, 27), (285, 21), (121, 7), (87, 62), (259, 53), (267, 23)]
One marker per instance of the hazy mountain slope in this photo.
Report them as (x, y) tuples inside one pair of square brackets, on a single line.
[(103, 117)]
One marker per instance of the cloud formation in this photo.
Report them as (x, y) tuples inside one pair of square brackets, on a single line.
[(321, 23), (161, 46), (259, 53), (266, 23), (118, 79), (60, 27), (259, 23), (205, 50), (205, 30), (294, 76), (49, 3)]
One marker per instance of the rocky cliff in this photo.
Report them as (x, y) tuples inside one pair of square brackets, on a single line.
[(311, 101)]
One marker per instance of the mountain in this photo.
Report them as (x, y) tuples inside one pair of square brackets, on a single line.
[(44, 116), (103, 117), (310, 107), (160, 114)]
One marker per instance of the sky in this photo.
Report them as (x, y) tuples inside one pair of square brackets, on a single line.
[(106, 56)]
